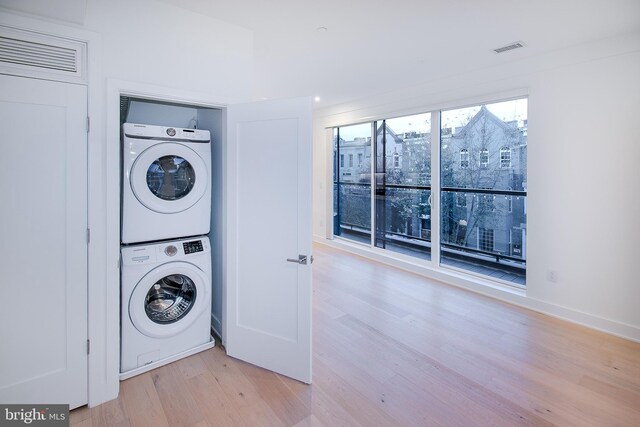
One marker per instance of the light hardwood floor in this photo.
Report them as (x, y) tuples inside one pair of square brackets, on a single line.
[(394, 349)]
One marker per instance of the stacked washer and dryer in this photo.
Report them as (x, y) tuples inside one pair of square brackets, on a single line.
[(165, 254)]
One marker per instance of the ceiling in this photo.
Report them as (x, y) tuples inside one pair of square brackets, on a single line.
[(373, 46)]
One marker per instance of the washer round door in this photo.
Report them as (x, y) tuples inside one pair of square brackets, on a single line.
[(169, 177), (169, 299)]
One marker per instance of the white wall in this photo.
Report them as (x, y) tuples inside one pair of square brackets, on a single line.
[(158, 44), (156, 48), (583, 174)]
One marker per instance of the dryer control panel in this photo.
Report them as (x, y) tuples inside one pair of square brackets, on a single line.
[(135, 130), (193, 246)]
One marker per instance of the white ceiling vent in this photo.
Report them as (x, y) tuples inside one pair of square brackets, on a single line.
[(39, 55), (507, 48), (30, 54)]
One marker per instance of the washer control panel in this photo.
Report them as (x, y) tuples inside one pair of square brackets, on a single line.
[(159, 253), (192, 246)]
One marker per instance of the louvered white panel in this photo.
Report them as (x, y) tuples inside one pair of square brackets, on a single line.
[(29, 54), (37, 54)]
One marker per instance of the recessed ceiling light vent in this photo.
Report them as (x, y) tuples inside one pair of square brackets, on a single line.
[(507, 48)]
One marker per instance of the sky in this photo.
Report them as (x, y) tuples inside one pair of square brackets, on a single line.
[(507, 111)]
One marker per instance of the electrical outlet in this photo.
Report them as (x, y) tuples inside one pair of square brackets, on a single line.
[(552, 276)]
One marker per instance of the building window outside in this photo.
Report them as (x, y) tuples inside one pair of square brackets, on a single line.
[(464, 158), (341, 160), (396, 160), (350, 160), (359, 159), (484, 158), (505, 157), (485, 204), (485, 240)]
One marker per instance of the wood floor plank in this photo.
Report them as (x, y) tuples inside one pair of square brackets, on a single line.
[(459, 393), (191, 366), (110, 414), (282, 400), (180, 407), (78, 415), (311, 421), (327, 412), (239, 390), (391, 348), (84, 423), (350, 397), (215, 405), (142, 403)]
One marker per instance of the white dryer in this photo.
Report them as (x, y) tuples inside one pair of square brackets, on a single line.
[(165, 183), (165, 303)]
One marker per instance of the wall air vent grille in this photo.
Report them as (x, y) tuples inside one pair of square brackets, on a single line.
[(39, 55), (507, 48)]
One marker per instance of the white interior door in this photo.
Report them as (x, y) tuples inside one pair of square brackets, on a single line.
[(43, 258), (268, 194)]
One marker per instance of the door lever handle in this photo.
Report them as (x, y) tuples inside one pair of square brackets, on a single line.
[(302, 259)]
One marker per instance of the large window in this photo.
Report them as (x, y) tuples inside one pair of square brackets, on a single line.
[(487, 234), (352, 185), (480, 186)]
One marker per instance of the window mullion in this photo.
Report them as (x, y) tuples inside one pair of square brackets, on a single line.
[(435, 188), (372, 158), (336, 224)]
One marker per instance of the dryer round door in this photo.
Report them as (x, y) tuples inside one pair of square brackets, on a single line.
[(169, 299), (169, 177)]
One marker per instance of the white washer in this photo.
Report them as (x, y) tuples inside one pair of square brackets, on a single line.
[(165, 183), (165, 303)]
